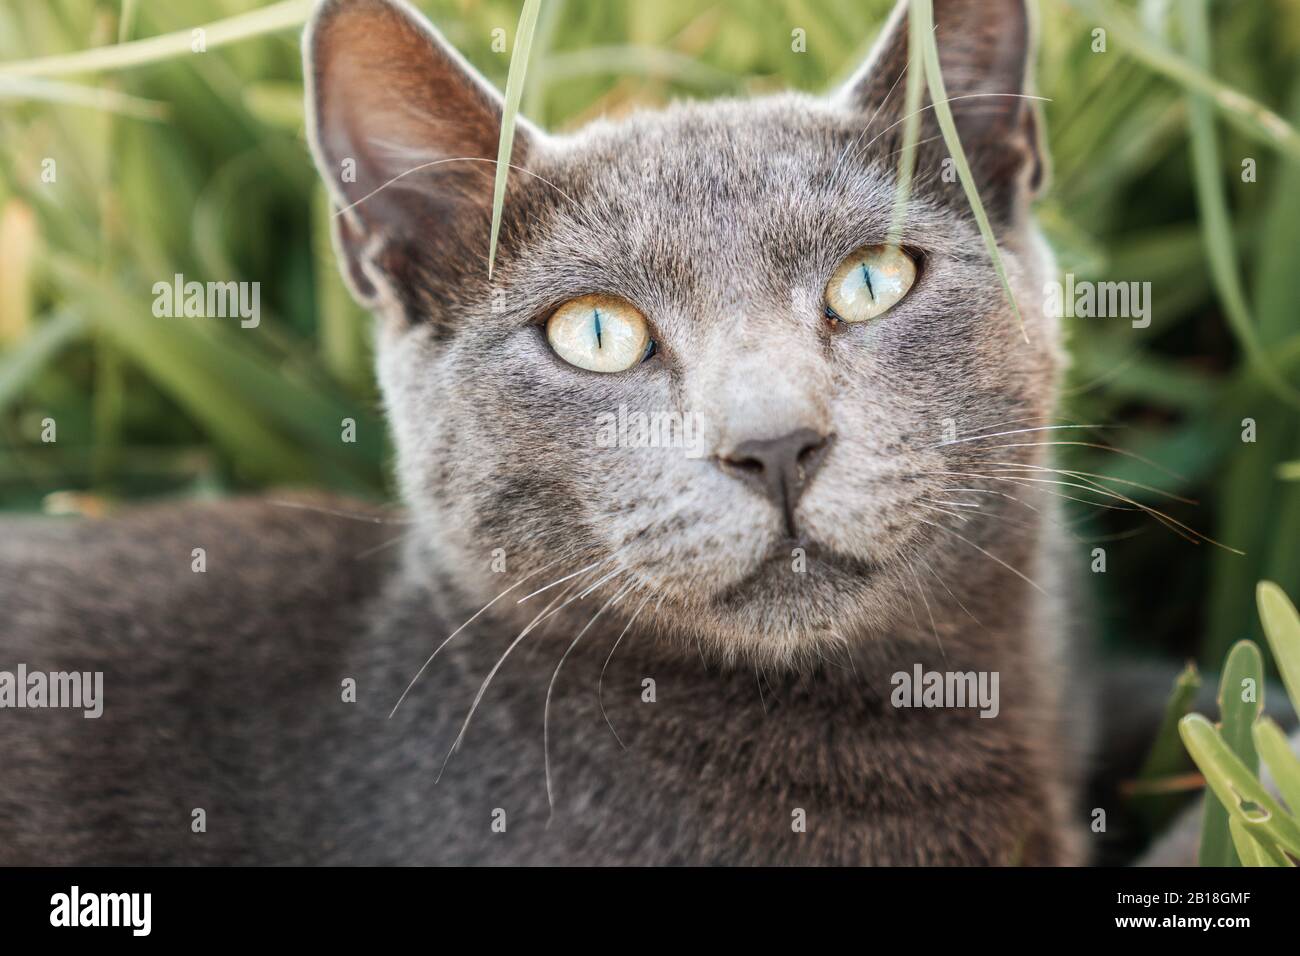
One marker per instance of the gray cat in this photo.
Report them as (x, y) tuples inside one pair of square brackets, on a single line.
[(709, 487)]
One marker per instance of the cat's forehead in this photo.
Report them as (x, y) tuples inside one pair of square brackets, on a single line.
[(711, 195), (733, 148)]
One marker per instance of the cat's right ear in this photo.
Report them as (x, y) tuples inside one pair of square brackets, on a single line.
[(404, 132), (986, 52)]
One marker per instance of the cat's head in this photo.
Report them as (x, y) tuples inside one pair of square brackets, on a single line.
[(695, 359)]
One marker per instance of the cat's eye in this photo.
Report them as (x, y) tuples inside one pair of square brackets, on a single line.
[(869, 283), (599, 333)]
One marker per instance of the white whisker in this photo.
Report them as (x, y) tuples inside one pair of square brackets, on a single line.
[(600, 684), (550, 688), (425, 665)]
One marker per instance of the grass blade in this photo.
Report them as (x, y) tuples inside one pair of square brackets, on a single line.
[(70, 94), (911, 124), (1168, 757), (121, 56), (1250, 116), (1216, 223), (923, 25), (514, 91), (19, 366)]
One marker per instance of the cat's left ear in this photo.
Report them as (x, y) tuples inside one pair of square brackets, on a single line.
[(986, 52), (404, 133)]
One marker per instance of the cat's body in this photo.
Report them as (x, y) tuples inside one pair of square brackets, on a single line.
[(770, 618), (224, 691)]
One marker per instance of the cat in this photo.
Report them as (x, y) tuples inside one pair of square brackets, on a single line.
[(575, 651)]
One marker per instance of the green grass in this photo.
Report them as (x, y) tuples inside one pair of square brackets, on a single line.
[(170, 161), (1243, 823)]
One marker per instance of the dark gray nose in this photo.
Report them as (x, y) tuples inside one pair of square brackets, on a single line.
[(779, 468)]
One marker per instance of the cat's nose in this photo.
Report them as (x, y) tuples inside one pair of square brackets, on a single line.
[(780, 469)]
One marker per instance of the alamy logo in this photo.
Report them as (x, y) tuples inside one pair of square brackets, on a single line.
[(75, 908), (210, 300), (61, 689), (630, 429), (1098, 300), (955, 689)]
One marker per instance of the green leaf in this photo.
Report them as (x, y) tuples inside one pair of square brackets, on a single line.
[(1282, 627), (1236, 787), (1167, 756), (1251, 850), (1273, 747), (514, 91), (1243, 677)]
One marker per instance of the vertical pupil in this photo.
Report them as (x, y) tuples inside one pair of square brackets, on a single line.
[(866, 277), (596, 313)]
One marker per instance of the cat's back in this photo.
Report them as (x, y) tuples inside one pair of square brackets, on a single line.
[(202, 634)]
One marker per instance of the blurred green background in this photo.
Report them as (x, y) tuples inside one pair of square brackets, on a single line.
[(196, 163)]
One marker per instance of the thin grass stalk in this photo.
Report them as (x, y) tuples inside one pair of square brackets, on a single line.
[(510, 112)]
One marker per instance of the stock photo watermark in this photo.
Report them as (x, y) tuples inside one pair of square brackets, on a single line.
[(659, 429), (1084, 299), (22, 689), (946, 689), (208, 300)]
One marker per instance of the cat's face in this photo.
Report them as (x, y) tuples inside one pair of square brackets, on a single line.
[(766, 474)]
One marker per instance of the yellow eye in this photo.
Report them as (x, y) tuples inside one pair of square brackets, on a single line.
[(869, 283), (599, 333)]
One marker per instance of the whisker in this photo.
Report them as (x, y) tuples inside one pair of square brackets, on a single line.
[(550, 688), (336, 513), (944, 583), (404, 536), (1178, 527), (933, 628), (993, 557), (425, 665), (857, 139), (989, 491), (1090, 444), (440, 162), (951, 99), (1024, 482), (951, 514), (600, 684), (1086, 474), (951, 504), (563, 579), (502, 659), (1015, 431)]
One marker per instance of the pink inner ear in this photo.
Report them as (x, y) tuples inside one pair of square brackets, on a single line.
[(404, 133), (393, 98)]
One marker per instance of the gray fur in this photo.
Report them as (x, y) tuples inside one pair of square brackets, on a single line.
[(721, 222)]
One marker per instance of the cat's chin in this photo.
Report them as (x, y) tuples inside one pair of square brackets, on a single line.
[(795, 567), (799, 585)]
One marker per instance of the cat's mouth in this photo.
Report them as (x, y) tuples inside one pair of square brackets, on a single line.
[(795, 566)]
